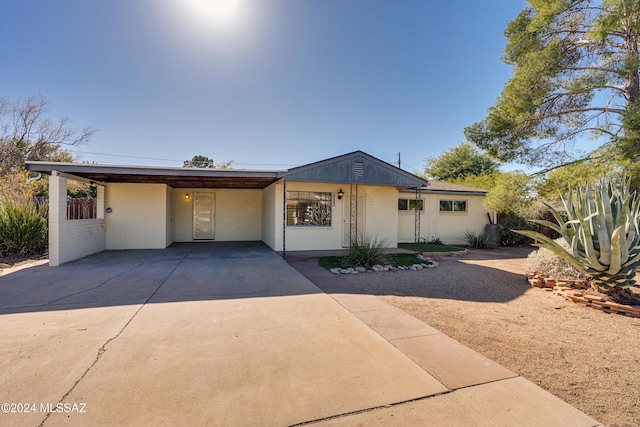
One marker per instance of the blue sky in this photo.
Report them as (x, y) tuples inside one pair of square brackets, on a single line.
[(275, 83)]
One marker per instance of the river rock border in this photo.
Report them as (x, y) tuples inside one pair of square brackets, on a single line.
[(427, 263)]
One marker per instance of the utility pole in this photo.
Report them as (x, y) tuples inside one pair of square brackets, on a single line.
[(399, 161)]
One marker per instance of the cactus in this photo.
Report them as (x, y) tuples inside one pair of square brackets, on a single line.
[(602, 232)]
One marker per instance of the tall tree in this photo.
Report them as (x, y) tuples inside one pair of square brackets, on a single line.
[(199, 161), (28, 133), (459, 162), (576, 75), (556, 183)]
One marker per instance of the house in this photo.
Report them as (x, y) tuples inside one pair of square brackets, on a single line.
[(322, 205), (446, 211)]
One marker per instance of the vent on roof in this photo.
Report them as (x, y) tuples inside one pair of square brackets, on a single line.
[(358, 169)]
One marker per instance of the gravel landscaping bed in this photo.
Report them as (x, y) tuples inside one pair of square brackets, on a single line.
[(586, 357)]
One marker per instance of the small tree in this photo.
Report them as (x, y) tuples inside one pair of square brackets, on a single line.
[(200, 161), (459, 162), (512, 193)]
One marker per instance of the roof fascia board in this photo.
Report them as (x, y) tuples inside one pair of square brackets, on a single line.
[(470, 193), (77, 178), (145, 170)]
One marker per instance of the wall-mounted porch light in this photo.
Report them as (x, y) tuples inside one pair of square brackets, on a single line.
[(340, 194), (186, 196)]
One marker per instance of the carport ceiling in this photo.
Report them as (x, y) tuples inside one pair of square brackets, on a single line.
[(174, 177)]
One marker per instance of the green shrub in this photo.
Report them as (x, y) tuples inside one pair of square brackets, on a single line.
[(435, 241), (509, 222), (365, 252), (477, 240), (548, 264), (23, 228)]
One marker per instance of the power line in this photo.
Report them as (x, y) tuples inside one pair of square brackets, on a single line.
[(175, 160)]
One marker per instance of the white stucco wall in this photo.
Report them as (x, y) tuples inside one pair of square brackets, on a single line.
[(72, 239), (138, 217), (449, 227), (237, 217), (380, 217)]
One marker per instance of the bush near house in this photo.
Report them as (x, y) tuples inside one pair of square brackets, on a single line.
[(365, 252), (508, 223), (23, 227), (546, 263), (477, 240)]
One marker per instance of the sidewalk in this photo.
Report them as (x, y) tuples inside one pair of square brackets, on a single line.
[(479, 391)]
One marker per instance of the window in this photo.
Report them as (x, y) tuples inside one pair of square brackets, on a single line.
[(410, 205), (308, 208), (453, 205)]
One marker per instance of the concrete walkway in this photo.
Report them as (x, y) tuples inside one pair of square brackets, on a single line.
[(480, 392), (230, 334)]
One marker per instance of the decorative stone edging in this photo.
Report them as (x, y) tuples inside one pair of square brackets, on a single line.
[(548, 282), (597, 302), (429, 263), (569, 290)]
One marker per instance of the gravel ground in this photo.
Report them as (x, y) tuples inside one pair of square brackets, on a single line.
[(588, 358)]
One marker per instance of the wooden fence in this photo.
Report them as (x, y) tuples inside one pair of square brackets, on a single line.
[(82, 208)]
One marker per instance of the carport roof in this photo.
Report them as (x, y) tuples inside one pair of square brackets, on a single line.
[(357, 168), (175, 177)]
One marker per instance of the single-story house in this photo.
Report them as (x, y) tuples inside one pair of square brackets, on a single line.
[(447, 212), (319, 206)]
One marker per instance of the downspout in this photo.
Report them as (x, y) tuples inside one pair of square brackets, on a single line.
[(34, 179)]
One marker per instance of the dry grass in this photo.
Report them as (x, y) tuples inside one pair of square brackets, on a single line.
[(585, 357)]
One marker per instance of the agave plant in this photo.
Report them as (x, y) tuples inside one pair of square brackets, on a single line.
[(602, 232)]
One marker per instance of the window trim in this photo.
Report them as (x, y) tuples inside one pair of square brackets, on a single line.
[(453, 205), (324, 201), (408, 204)]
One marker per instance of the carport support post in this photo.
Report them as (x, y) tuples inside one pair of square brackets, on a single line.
[(416, 229), (284, 218), (57, 215)]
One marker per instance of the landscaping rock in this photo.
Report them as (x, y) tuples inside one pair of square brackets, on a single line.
[(360, 269), (336, 270)]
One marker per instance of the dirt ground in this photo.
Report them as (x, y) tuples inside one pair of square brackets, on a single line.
[(586, 357)]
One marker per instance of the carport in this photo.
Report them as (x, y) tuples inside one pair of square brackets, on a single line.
[(150, 208)]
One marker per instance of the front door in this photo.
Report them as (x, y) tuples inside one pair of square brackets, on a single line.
[(352, 211), (203, 216)]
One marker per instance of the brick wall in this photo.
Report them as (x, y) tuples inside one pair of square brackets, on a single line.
[(72, 239)]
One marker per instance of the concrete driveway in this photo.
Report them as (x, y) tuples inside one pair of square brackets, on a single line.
[(228, 334)]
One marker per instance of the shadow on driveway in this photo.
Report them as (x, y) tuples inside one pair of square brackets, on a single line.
[(481, 276), (237, 270), (182, 272)]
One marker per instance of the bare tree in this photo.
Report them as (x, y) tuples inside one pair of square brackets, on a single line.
[(28, 133)]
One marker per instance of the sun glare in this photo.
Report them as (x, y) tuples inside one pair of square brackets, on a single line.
[(216, 13)]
